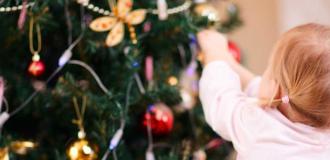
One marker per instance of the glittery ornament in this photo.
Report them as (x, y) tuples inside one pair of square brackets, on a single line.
[(22, 147), (36, 68), (205, 9), (160, 118), (82, 150)]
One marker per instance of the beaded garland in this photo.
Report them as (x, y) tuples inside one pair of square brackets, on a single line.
[(105, 12), (15, 8)]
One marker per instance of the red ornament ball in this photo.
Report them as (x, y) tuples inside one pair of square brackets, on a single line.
[(160, 118), (36, 68), (234, 50)]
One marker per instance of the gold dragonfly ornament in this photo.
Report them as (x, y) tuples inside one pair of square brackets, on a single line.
[(115, 23)]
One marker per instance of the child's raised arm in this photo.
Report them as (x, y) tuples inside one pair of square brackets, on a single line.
[(214, 46)]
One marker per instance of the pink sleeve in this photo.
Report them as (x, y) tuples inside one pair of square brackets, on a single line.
[(221, 97)]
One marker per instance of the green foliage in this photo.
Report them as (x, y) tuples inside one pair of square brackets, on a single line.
[(47, 120)]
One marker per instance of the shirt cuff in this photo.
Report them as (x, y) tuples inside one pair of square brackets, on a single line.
[(216, 64)]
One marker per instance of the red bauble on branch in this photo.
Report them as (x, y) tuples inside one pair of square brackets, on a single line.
[(234, 50), (36, 68), (160, 118)]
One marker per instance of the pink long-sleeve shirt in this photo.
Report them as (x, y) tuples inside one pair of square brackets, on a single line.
[(256, 133)]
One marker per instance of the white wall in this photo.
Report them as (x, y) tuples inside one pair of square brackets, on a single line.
[(295, 12), (265, 20), (258, 33)]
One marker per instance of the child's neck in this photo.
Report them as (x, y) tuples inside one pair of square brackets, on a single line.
[(290, 114)]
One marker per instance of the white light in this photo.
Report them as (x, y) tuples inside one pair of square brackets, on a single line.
[(73, 152), (66, 56), (87, 150), (81, 134)]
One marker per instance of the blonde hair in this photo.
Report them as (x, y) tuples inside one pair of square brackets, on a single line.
[(300, 65)]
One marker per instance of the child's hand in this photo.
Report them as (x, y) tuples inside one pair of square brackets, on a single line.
[(214, 46)]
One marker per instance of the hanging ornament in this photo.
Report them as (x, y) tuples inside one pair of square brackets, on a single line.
[(17, 147), (81, 149), (226, 9), (115, 23), (160, 118), (36, 67), (22, 147), (234, 50), (203, 8), (162, 9), (4, 153)]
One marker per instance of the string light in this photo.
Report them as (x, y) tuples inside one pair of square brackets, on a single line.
[(185, 6), (15, 8), (173, 81)]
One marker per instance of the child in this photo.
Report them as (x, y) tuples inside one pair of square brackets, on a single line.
[(292, 119)]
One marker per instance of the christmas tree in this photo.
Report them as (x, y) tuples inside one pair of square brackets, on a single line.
[(106, 79)]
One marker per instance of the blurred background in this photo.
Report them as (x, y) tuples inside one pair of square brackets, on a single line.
[(265, 21)]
